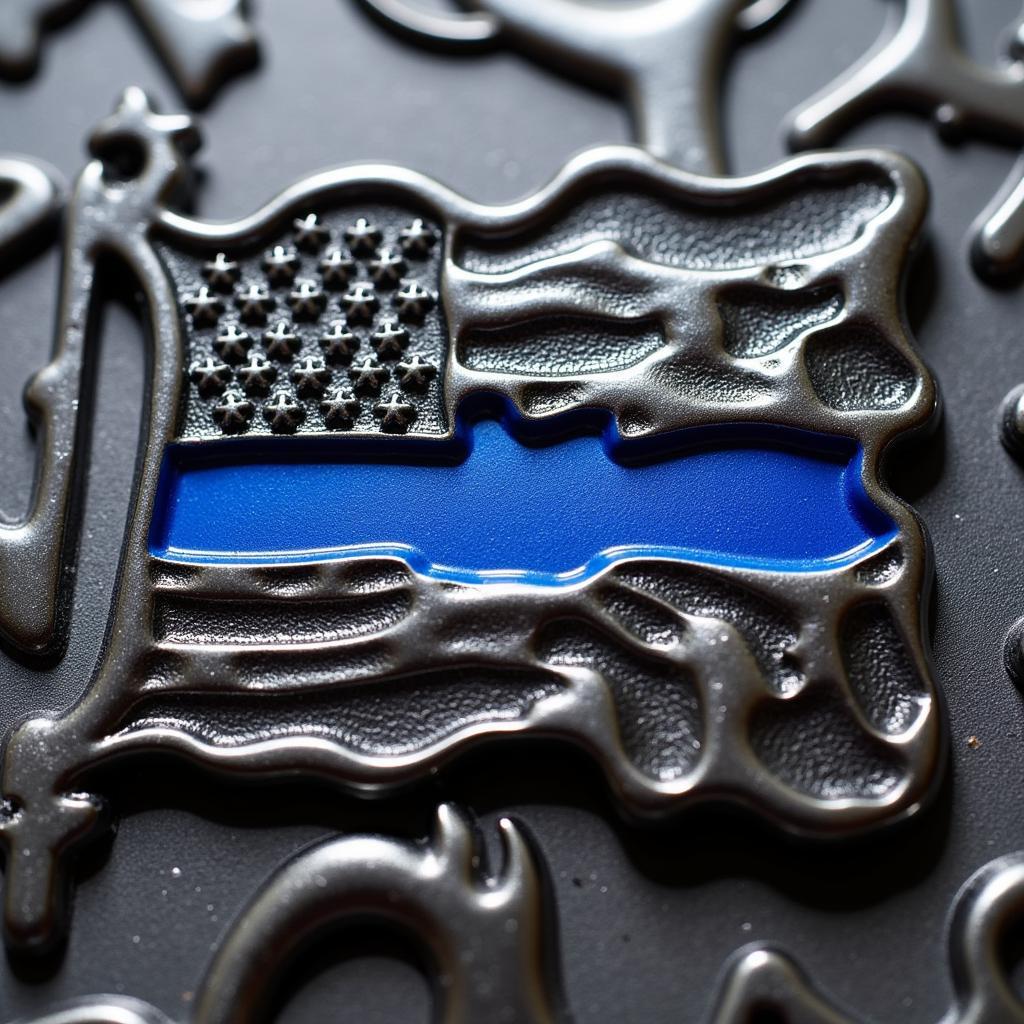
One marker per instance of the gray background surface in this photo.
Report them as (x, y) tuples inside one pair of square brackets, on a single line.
[(646, 918)]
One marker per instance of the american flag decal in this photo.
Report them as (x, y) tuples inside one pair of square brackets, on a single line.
[(601, 466)]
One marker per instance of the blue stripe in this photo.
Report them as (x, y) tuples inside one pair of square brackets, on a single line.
[(494, 507)]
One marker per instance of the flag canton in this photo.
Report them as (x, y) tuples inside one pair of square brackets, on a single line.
[(332, 327)]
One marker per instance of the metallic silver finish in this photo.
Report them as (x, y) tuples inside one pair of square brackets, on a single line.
[(202, 44), (485, 938), (1011, 421), (458, 28), (805, 696), (987, 909), (490, 944), (921, 66), (487, 944), (1013, 653), (664, 57), (40, 547), (31, 195), (102, 1010)]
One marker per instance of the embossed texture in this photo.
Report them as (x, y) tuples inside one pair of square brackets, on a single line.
[(324, 321), (920, 66), (771, 687)]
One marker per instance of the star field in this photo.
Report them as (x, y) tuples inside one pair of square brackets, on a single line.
[(330, 326)]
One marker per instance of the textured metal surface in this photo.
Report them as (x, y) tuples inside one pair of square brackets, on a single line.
[(922, 66), (31, 195), (202, 44), (803, 695), (664, 58), (864, 922), (58, 400)]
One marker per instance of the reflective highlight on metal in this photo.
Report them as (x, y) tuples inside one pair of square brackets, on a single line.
[(920, 66), (987, 911), (31, 195), (663, 57), (484, 935), (487, 939), (490, 941), (499, 512), (805, 696), (202, 44)]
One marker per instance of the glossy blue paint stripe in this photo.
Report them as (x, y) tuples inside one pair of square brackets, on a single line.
[(508, 510)]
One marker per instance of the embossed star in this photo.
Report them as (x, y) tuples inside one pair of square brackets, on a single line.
[(204, 307), (310, 376), (339, 343), (233, 412), (360, 302), (387, 268), (309, 233), (254, 303), (210, 376), (283, 413), (221, 273), (395, 413), (257, 375), (340, 408), (336, 269), (413, 301), (414, 373), (368, 375), (307, 300), (363, 238), (281, 342), (280, 265), (390, 339), (417, 240), (232, 344)]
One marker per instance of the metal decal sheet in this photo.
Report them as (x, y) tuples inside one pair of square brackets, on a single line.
[(289, 396), (579, 524)]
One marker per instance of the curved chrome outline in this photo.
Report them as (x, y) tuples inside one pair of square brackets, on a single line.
[(662, 57), (491, 944), (989, 904), (919, 65), (201, 48)]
